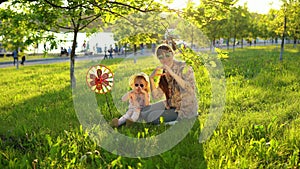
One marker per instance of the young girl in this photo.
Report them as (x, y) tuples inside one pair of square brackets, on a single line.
[(138, 98)]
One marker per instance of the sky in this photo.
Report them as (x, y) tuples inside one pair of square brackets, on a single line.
[(259, 6)]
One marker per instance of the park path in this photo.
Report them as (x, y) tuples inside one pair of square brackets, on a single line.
[(67, 59), (147, 52)]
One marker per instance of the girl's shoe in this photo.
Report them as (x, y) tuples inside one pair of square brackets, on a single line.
[(129, 123), (114, 122)]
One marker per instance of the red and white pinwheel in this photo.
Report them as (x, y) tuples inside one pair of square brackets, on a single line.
[(100, 79)]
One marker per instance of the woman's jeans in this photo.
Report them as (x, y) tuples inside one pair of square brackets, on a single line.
[(153, 113)]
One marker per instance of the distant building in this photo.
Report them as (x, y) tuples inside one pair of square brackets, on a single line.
[(64, 40), (84, 43), (99, 41)]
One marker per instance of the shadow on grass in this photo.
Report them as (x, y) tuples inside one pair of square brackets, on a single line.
[(25, 126), (51, 112)]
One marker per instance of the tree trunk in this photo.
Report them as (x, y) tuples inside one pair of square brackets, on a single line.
[(233, 46), (134, 48), (295, 42), (192, 41), (227, 43), (242, 43), (282, 42), (125, 48), (72, 61)]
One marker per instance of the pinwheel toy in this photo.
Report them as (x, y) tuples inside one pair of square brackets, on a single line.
[(100, 79)]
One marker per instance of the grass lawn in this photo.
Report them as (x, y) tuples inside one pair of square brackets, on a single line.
[(259, 127)]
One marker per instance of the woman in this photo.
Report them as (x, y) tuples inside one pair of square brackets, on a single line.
[(177, 84)]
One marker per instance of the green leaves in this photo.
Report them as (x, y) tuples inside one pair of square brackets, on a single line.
[(139, 28)]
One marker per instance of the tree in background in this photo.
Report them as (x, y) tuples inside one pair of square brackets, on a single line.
[(209, 16), (20, 27), (240, 19), (293, 27), (287, 16), (76, 16), (139, 28)]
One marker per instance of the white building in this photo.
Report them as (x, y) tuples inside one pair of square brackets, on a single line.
[(100, 40), (65, 40)]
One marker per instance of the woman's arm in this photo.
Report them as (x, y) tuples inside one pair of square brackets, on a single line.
[(156, 92), (188, 82)]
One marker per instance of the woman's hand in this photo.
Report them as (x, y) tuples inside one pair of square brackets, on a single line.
[(155, 72), (168, 70)]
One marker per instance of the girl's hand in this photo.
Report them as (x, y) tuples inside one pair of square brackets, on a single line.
[(144, 91), (131, 94)]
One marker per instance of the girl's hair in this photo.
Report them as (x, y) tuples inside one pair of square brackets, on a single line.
[(140, 76)]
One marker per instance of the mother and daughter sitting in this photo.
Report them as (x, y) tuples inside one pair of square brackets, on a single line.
[(176, 84)]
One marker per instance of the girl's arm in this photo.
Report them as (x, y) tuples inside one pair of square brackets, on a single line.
[(126, 96), (156, 92), (147, 99)]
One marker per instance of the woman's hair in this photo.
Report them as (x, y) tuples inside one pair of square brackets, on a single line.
[(163, 83), (140, 76), (162, 49)]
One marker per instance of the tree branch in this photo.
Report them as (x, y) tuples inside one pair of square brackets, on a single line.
[(223, 3), (119, 15), (89, 17), (92, 20), (129, 6), (62, 7), (64, 27)]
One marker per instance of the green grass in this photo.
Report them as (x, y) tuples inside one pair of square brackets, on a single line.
[(259, 127)]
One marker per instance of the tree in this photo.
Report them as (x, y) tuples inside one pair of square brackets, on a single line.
[(274, 22), (21, 28), (139, 28), (293, 28), (76, 15), (283, 33), (209, 16), (285, 22), (239, 23)]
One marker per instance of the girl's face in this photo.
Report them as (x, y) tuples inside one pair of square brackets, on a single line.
[(139, 85), (165, 58)]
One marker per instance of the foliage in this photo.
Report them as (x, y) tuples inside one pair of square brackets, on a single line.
[(139, 28), (74, 16), (209, 16)]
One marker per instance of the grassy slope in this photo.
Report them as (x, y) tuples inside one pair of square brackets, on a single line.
[(257, 130)]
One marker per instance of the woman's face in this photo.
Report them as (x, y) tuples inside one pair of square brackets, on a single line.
[(166, 58)]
